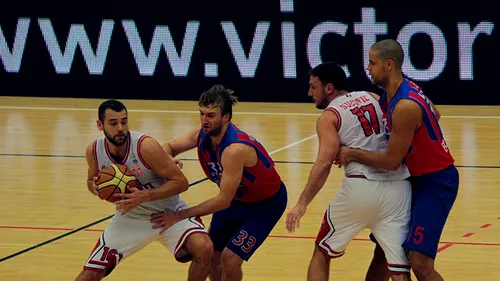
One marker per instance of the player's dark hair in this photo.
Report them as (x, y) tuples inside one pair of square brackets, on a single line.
[(389, 49), (330, 72), (219, 96), (110, 104)]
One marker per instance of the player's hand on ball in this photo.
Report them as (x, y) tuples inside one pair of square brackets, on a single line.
[(164, 220), (293, 217), (94, 186), (130, 200)]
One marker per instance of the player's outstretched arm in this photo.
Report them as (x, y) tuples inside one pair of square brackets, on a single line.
[(182, 144), (93, 170), (233, 162), (329, 144), (406, 118)]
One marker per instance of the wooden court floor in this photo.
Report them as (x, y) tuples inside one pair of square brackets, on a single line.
[(49, 222)]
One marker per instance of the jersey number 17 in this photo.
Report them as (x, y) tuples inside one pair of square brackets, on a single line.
[(371, 125)]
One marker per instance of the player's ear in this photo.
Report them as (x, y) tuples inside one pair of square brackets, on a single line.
[(330, 89), (99, 125), (390, 64)]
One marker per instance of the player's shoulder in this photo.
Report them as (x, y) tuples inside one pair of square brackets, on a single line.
[(236, 150), (137, 135), (144, 141), (329, 118), (406, 104), (91, 146), (407, 108)]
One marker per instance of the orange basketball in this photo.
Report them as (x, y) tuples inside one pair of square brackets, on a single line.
[(114, 179)]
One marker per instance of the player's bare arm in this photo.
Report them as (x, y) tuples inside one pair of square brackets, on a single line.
[(406, 118), (233, 159), (93, 170), (436, 111), (157, 159), (329, 144), (182, 144)]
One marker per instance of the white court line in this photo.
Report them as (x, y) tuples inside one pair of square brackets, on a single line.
[(153, 110), (236, 112), (292, 144)]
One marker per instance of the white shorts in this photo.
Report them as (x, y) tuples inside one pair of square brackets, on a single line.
[(382, 206), (125, 236)]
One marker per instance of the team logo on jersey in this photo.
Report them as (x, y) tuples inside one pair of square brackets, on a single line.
[(215, 172), (136, 169)]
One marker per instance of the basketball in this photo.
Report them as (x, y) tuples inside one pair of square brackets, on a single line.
[(114, 179)]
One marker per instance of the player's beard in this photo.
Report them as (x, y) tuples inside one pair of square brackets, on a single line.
[(324, 102), (115, 140), (380, 82), (215, 130)]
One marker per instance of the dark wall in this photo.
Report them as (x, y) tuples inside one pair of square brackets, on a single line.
[(261, 49)]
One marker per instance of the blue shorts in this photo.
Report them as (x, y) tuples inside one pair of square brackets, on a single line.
[(433, 196), (244, 226)]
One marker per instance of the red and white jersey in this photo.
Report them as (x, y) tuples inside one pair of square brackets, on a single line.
[(360, 126), (143, 173)]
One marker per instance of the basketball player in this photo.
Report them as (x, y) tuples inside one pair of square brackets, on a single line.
[(371, 198), (415, 137), (130, 228), (252, 197)]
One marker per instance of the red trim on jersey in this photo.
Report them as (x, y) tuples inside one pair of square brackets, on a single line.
[(326, 231), (106, 148), (338, 255), (339, 117), (94, 269), (94, 153), (399, 265), (403, 268), (185, 237), (139, 142)]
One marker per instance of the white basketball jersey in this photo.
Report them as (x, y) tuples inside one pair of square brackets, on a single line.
[(360, 126), (148, 178)]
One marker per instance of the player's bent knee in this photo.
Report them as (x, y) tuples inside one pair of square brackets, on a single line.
[(320, 254), (230, 260), (400, 277), (201, 248), (421, 264), (216, 258)]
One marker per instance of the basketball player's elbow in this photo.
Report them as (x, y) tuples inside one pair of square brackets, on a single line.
[(179, 183), (224, 201), (183, 183), (392, 163), (393, 166), (168, 149)]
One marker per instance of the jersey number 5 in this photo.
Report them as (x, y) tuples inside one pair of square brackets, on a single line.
[(369, 126)]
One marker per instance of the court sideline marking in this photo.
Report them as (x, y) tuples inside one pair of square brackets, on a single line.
[(236, 112), (193, 159), (110, 216), (471, 243)]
